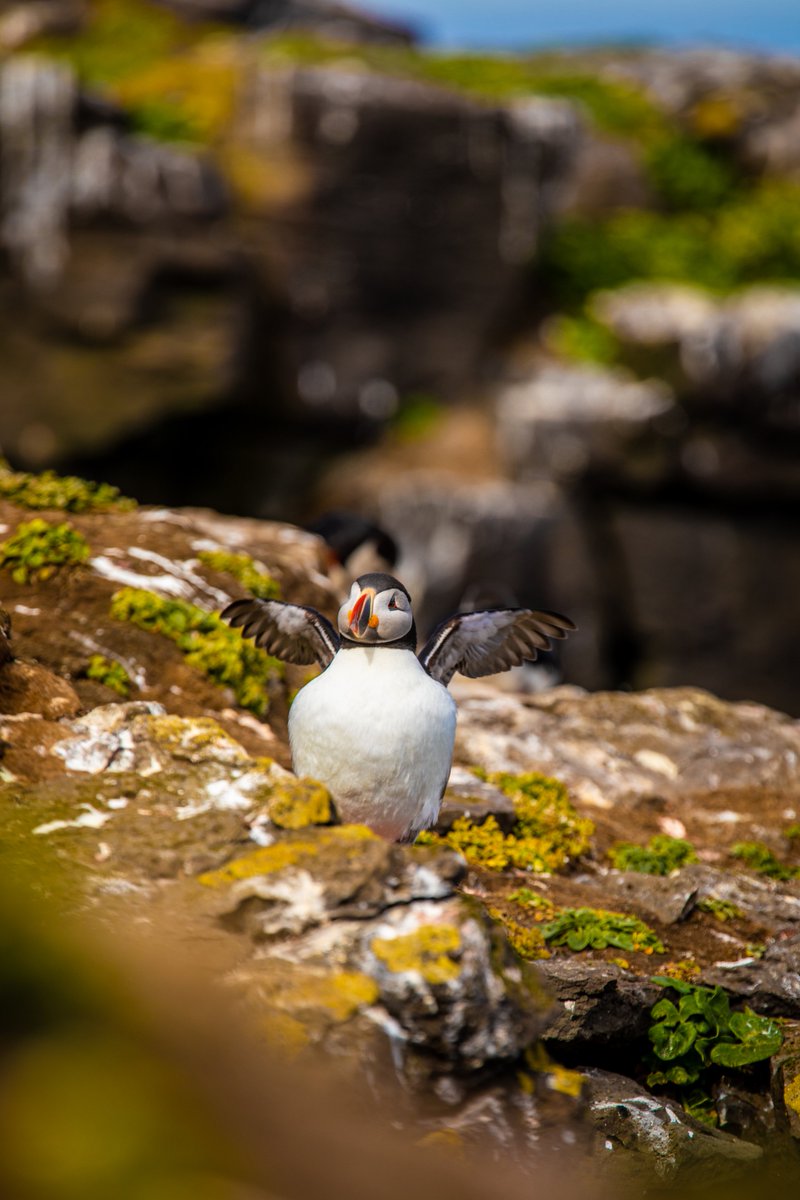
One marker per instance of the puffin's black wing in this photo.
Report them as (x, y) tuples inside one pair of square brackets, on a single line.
[(483, 643), (289, 631)]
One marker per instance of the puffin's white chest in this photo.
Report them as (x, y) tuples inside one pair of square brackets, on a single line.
[(379, 732)]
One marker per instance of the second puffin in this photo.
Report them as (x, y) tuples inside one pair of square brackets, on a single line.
[(377, 728)]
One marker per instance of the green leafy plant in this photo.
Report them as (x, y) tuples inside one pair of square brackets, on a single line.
[(65, 492), (721, 910), (38, 549), (759, 857), (660, 856), (208, 644), (110, 673), (701, 1031), (244, 568), (596, 929)]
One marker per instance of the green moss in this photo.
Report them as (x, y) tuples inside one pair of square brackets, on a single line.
[(547, 834), (297, 804), (431, 950), (596, 929), (208, 644), (64, 492), (249, 573), (760, 858), (660, 856), (526, 940), (684, 969), (721, 910), (38, 549), (539, 906), (110, 673)]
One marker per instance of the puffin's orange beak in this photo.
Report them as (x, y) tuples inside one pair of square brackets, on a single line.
[(361, 618)]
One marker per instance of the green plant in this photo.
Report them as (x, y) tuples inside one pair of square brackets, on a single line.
[(760, 858), (38, 549), (208, 644), (687, 176), (110, 673), (721, 910), (660, 856), (596, 929), (540, 907), (249, 573), (581, 338), (701, 1031), (547, 833), (65, 492)]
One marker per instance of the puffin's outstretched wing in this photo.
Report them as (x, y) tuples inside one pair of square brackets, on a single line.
[(289, 631), (482, 643)]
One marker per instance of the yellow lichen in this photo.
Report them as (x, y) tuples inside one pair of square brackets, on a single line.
[(340, 994), (449, 1140), (526, 940), (683, 970), (190, 735), (297, 804), (791, 1093), (557, 1078), (430, 950), (266, 860), (263, 861)]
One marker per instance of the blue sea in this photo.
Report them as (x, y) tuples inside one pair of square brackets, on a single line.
[(772, 25)]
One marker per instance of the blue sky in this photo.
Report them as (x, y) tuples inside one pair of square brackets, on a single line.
[(765, 24)]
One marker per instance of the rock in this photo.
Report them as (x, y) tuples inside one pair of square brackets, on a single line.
[(785, 1069), (65, 623), (666, 1141), (770, 984), (28, 688), (621, 751), (601, 1009), (566, 421)]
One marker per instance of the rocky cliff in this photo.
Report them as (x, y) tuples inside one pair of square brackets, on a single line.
[(595, 953)]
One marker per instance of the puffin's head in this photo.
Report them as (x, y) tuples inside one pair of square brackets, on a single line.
[(378, 610)]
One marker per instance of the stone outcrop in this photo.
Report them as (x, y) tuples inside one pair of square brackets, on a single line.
[(173, 808)]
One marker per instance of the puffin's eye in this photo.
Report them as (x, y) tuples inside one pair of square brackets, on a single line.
[(393, 602)]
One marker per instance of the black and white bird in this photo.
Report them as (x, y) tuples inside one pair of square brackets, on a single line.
[(377, 727)]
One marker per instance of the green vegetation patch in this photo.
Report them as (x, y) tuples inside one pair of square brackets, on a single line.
[(38, 549), (208, 644), (701, 1031), (596, 929), (614, 105), (754, 236), (251, 574), (721, 910), (547, 834), (110, 673), (759, 857), (660, 856), (64, 492)]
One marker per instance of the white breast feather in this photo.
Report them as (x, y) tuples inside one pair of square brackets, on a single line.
[(379, 732)]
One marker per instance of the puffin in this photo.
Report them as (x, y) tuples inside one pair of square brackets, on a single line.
[(377, 726)]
